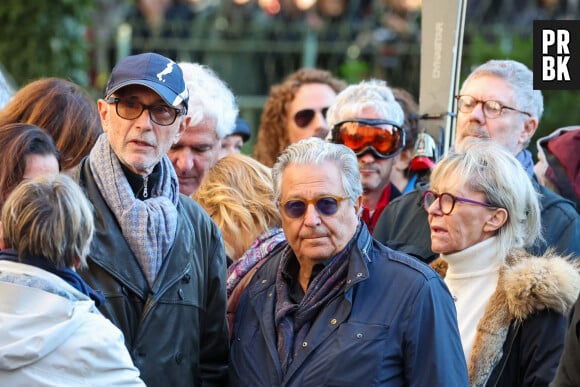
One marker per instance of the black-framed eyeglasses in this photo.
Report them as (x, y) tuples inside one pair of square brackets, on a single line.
[(447, 201), (491, 108), (304, 117), (325, 205), (384, 138), (161, 114)]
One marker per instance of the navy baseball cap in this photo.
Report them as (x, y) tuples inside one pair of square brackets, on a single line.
[(242, 128), (160, 74)]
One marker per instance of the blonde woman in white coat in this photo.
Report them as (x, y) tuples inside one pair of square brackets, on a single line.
[(511, 307)]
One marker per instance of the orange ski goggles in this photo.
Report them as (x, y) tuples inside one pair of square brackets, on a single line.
[(383, 138)]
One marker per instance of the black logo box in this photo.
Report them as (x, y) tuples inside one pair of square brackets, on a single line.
[(573, 63)]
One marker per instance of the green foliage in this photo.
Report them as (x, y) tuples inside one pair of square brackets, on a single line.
[(560, 106), (354, 70), (45, 38)]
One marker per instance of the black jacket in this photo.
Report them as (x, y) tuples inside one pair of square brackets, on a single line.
[(568, 373), (176, 332)]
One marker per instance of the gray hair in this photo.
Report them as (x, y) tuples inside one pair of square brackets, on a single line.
[(49, 217), (315, 151), (521, 80), (209, 97), (486, 167), (374, 94)]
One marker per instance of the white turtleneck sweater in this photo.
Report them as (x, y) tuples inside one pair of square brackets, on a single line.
[(472, 278)]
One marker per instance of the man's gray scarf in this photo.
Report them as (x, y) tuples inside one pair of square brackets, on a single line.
[(148, 226)]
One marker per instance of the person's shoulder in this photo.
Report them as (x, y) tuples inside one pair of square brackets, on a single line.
[(192, 213), (391, 260), (269, 265), (409, 199), (405, 205), (190, 206), (550, 200), (555, 277)]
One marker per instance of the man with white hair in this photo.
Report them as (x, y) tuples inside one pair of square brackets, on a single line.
[(367, 119), (212, 110)]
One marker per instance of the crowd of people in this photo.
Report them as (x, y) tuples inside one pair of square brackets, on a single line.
[(139, 246)]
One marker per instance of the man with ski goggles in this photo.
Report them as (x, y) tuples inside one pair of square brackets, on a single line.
[(383, 138), (367, 119)]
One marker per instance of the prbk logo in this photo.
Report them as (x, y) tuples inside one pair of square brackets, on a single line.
[(557, 54)]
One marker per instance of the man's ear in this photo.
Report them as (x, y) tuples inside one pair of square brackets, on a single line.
[(530, 126), (182, 127), (496, 220), (103, 107), (358, 206)]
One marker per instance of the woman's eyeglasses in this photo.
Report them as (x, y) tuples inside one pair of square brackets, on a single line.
[(304, 117), (325, 205), (160, 114), (384, 138), (447, 201), (491, 109)]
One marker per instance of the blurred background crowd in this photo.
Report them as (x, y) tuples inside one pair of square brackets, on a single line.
[(253, 44)]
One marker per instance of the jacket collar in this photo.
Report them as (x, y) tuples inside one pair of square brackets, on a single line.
[(357, 269)]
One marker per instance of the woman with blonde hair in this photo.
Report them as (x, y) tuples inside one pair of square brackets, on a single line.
[(512, 306), (238, 194)]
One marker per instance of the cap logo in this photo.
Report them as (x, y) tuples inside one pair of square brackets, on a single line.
[(167, 70)]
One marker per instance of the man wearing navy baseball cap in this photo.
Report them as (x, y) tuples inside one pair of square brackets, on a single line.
[(156, 256)]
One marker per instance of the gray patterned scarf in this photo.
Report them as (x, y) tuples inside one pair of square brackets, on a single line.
[(148, 226)]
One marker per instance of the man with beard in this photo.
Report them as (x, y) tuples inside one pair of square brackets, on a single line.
[(497, 102), (367, 119), (156, 255)]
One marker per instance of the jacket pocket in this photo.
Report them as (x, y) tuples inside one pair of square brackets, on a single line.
[(358, 354)]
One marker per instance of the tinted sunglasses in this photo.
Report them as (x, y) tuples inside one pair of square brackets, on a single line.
[(325, 205), (304, 117), (384, 138)]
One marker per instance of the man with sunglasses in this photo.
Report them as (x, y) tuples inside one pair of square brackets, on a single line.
[(367, 119), (497, 102), (156, 257), (295, 109), (335, 307)]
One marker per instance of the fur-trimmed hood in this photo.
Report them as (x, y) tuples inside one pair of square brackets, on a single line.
[(527, 284)]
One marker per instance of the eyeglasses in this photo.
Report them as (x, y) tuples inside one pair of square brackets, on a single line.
[(447, 201), (325, 205), (384, 138), (160, 114), (491, 109), (304, 117)]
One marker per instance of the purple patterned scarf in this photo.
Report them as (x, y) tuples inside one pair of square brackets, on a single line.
[(292, 320), (258, 250)]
